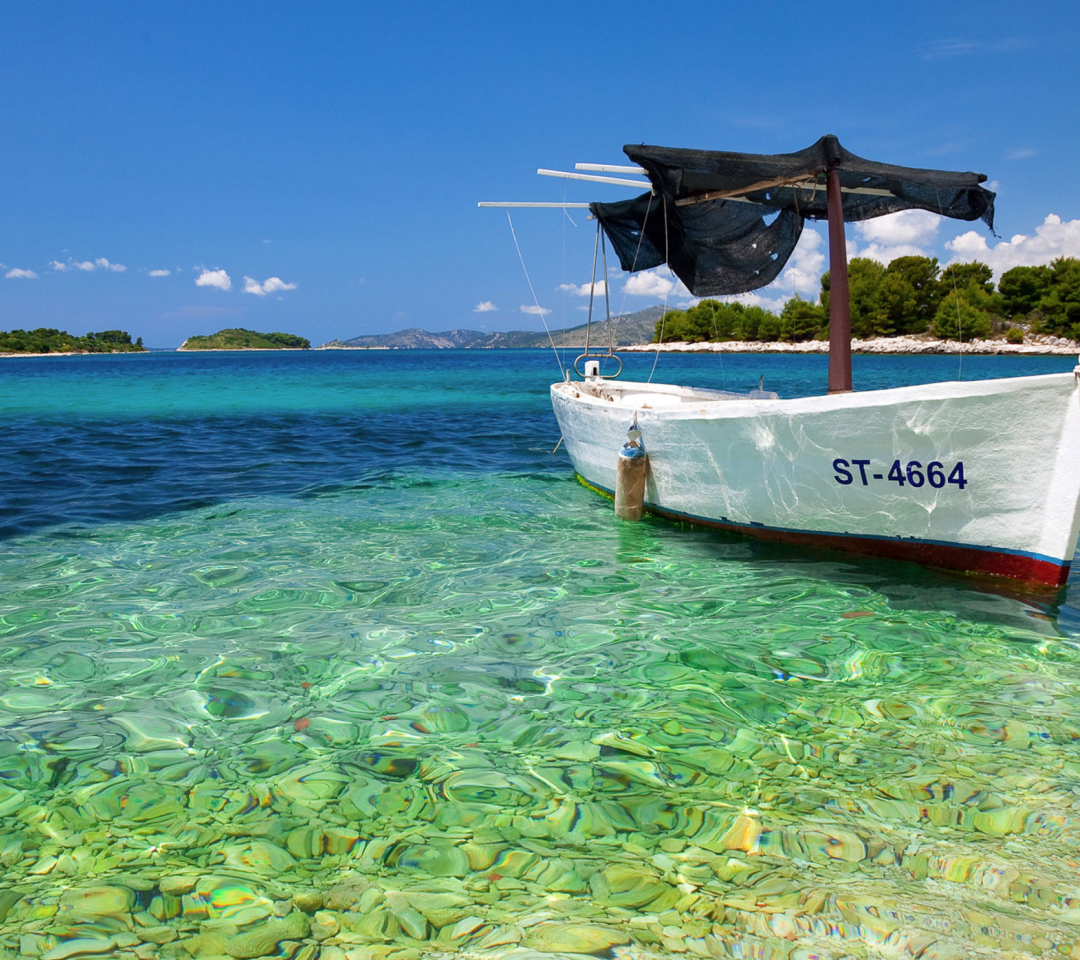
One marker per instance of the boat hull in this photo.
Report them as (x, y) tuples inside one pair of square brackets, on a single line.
[(981, 476)]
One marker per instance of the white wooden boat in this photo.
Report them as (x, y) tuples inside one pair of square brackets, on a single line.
[(979, 476)]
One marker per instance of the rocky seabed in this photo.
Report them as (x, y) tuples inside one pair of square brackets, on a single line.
[(1032, 346), (649, 843)]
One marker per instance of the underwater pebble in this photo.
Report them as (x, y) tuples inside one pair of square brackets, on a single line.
[(264, 939), (309, 901), (324, 925), (574, 938), (176, 886), (157, 935), (97, 901), (79, 948)]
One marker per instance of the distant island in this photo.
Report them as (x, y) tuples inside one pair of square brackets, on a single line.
[(45, 340), (237, 338)]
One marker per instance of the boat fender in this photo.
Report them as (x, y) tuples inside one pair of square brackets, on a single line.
[(630, 476)]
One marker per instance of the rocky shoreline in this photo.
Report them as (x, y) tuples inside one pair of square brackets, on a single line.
[(1032, 346)]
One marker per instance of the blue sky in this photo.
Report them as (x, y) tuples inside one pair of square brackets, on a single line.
[(333, 153)]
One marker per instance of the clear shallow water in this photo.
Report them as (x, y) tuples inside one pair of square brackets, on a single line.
[(326, 655)]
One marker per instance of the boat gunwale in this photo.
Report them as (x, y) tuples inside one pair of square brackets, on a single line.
[(691, 406)]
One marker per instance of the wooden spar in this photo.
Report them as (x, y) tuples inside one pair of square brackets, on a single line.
[(608, 168), (530, 203), (618, 181), (839, 304), (786, 184)]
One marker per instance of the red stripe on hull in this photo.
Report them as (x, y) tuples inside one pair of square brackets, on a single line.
[(945, 556)]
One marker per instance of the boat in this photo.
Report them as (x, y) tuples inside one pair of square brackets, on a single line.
[(977, 476)]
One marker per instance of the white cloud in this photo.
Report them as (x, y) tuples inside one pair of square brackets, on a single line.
[(18, 273), (909, 233), (87, 266), (655, 283), (919, 227), (1022, 153), (947, 49), (598, 289), (538, 311), (270, 285), (484, 306), (214, 278), (159, 273), (802, 275), (1053, 238)]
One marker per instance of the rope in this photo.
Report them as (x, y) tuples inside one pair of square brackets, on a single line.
[(663, 319), (539, 309), (959, 321), (607, 297), (633, 266), (723, 375), (959, 331), (592, 290)]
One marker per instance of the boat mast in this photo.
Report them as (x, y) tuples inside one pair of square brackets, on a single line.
[(839, 305)]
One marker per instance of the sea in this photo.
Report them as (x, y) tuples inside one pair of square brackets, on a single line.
[(327, 655)]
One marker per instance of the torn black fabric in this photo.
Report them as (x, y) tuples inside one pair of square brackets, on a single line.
[(727, 223), (716, 248)]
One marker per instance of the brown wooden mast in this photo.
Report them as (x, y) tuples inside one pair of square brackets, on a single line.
[(839, 303)]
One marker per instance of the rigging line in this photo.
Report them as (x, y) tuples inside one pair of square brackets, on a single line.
[(539, 309), (956, 296), (637, 251), (562, 285), (663, 319), (959, 331), (592, 290), (716, 335), (607, 297)]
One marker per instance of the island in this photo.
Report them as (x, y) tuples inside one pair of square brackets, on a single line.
[(237, 338), (47, 340)]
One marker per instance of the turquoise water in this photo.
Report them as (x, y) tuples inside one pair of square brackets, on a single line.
[(326, 656)]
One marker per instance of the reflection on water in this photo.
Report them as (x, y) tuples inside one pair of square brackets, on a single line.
[(471, 715)]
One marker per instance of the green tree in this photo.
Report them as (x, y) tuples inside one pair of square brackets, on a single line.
[(958, 275), (669, 327), (1059, 307), (111, 336), (960, 317), (802, 320), (908, 296), (864, 281), (1022, 288)]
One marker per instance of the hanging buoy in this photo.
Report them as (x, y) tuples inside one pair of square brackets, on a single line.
[(630, 476)]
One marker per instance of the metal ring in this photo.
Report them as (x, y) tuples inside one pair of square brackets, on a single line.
[(601, 357)]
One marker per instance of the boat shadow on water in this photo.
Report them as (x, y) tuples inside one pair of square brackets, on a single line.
[(1049, 612)]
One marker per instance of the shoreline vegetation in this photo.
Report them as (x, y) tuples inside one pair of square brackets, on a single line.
[(237, 338), (908, 306), (48, 341)]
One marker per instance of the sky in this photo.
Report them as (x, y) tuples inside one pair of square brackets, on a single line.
[(174, 169)]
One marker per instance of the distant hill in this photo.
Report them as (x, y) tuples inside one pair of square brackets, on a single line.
[(237, 338), (50, 340), (630, 329)]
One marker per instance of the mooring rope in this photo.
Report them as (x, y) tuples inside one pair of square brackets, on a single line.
[(663, 318), (539, 309)]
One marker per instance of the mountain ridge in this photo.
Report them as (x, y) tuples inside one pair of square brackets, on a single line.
[(632, 328)]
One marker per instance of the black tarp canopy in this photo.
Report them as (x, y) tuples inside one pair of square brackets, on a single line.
[(718, 245)]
